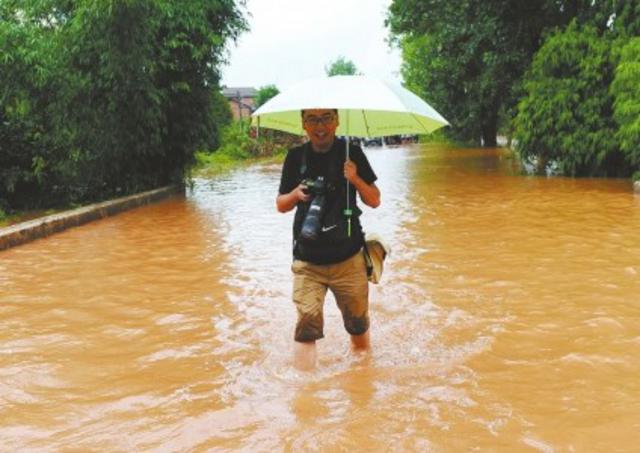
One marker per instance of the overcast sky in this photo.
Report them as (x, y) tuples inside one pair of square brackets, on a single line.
[(291, 40)]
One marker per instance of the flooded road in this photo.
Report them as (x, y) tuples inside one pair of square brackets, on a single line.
[(508, 319)]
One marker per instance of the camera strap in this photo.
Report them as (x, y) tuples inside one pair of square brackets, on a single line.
[(333, 172), (303, 161)]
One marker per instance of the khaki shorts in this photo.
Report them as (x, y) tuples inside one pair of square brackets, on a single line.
[(347, 281)]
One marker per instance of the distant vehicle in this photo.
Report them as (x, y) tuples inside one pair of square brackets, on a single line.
[(374, 141), (392, 140), (353, 140), (408, 138)]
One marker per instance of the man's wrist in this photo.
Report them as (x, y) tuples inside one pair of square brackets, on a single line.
[(358, 182)]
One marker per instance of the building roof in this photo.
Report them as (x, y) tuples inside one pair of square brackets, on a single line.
[(243, 92)]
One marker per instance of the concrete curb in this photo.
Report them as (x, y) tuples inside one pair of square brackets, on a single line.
[(636, 187), (45, 226)]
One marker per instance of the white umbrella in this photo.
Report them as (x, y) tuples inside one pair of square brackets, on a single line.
[(367, 107)]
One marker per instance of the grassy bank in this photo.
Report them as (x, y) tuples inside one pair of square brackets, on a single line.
[(240, 148), (8, 220), (211, 164)]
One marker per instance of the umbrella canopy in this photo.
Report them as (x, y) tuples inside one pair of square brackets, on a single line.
[(367, 107)]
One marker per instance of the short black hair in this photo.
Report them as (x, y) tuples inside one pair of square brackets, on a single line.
[(303, 110)]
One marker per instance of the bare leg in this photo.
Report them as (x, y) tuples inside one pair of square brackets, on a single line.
[(361, 342), (304, 355)]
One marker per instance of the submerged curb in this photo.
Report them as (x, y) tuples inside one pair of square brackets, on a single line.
[(45, 226)]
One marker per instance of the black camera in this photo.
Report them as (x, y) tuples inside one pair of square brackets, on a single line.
[(313, 220)]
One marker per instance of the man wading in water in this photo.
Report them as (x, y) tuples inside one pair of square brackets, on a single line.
[(327, 250)]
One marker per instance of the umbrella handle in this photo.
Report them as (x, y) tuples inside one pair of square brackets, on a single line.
[(348, 211)]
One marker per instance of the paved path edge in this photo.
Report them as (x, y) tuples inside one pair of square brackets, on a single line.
[(31, 230)]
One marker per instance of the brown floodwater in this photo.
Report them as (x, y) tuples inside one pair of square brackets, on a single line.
[(508, 319)]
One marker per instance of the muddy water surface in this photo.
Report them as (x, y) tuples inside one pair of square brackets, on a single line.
[(508, 319)]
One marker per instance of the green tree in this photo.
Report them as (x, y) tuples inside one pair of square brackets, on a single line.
[(221, 117), (341, 66), (614, 17), (107, 97), (29, 85), (566, 115), (151, 68), (265, 93), (468, 57), (626, 91)]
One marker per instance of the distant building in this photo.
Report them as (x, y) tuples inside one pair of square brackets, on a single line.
[(241, 100)]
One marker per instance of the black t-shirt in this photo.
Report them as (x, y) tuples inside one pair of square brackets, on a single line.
[(326, 250)]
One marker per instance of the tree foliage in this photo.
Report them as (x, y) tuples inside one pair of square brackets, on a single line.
[(467, 57), (341, 66), (470, 58), (28, 74), (626, 92), (265, 93), (614, 17), (581, 105), (107, 97), (566, 115)]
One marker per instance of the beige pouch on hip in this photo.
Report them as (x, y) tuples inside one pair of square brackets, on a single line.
[(375, 252)]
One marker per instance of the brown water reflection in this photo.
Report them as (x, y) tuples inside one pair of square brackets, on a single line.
[(508, 319)]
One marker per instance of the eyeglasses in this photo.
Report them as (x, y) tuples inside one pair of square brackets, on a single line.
[(318, 120)]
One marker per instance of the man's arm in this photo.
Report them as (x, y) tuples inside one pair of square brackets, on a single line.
[(285, 202), (369, 193), (290, 192)]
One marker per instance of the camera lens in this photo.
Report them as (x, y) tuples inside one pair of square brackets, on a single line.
[(313, 220)]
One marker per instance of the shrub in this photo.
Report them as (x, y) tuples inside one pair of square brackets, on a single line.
[(566, 114), (626, 92), (104, 98)]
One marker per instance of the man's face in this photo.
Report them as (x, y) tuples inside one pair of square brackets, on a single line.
[(320, 125)]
